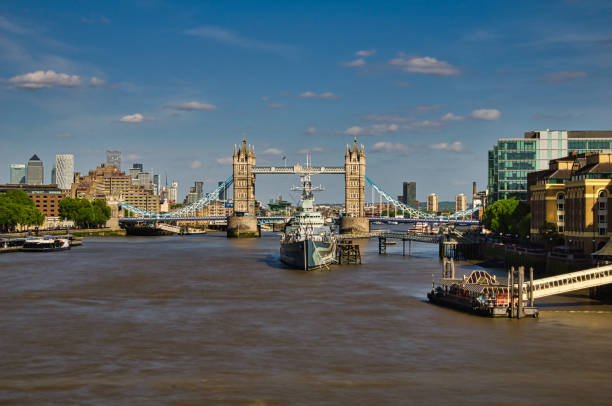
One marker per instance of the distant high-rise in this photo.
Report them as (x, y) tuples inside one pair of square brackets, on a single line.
[(35, 172), (64, 171), (173, 192), (409, 194), (138, 166), (113, 158), (144, 179), (156, 184), (432, 202), (460, 202), (199, 189), (53, 175), (18, 173)]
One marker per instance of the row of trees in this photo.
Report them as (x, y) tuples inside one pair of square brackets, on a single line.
[(84, 213), (16, 208)]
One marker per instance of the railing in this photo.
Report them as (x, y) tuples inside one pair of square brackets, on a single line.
[(568, 282)]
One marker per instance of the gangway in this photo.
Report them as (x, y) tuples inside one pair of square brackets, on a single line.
[(569, 282)]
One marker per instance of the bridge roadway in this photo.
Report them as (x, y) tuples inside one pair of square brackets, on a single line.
[(271, 219)]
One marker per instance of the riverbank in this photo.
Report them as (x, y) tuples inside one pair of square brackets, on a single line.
[(93, 232)]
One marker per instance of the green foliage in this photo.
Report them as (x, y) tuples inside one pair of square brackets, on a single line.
[(509, 216), (84, 213), (16, 208)]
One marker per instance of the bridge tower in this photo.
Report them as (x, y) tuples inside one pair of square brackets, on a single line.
[(244, 221), (354, 190), (244, 179)]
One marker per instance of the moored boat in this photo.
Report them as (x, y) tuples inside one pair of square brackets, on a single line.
[(45, 244), (307, 242)]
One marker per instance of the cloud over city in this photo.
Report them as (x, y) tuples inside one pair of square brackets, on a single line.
[(192, 106), (43, 79), (325, 95), (135, 118), (425, 65)]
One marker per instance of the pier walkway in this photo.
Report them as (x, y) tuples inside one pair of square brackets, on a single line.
[(569, 282)]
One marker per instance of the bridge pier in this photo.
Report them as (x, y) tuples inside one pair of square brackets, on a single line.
[(354, 225), (242, 227)]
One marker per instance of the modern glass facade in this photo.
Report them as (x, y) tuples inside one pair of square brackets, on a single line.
[(513, 158), (18, 173)]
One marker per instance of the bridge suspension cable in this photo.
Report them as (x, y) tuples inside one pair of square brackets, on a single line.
[(415, 213), (183, 211)]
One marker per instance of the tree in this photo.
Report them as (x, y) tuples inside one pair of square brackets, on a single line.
[(509, 216), (84, 213), (17, 208)]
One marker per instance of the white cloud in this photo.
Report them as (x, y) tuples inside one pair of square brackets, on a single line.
[(388, 147), (232, 38), (313, 95), (375, 129), (41, 79), (192, 106), (195, 164), (225, 160), (355, 63), (425, 65), (11, 27), (485, 114), (365, 52), (310, 130), (94, 81), (456, 146), (272, 151), (451, 117), (277, 106), (563, 77), (134, 118)]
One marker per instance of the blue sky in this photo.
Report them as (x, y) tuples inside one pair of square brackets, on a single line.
[(427, 87)]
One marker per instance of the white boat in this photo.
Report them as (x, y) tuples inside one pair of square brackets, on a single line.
[(45, 244)]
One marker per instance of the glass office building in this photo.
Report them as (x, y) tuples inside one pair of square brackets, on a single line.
[(513, 158)]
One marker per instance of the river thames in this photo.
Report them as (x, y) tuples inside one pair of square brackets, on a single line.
[(207, 320)]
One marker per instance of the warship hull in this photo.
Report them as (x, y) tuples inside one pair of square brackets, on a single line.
[(308, 254)]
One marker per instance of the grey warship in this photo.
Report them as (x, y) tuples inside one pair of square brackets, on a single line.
[(307, 243)]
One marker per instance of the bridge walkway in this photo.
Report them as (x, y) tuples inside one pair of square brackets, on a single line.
[(569, 282)]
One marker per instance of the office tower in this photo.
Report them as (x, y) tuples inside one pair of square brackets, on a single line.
[(432, 202), (53, 176), (64, 171), (138, 166), (18, 173), (173, 192), (35, 172), (199, 189), (113, 158), (409, 194), (511, 159), (460, 202), (156, 184), (144, 179)]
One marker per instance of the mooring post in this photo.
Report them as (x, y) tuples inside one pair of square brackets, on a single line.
[(512, 292), (410, 248), (531, 298), (452, 268), (403, 248), (521, 279)]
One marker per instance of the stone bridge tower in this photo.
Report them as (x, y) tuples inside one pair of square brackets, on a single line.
[(354, 180), (354, 191), (244, 179)]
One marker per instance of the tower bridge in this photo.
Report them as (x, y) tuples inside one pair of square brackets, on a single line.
[(244, 222)]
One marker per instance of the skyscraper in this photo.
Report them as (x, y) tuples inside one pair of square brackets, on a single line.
[(113, 158), (64, 171), (460, 202), (35, 172), (432, 202), (409, 194), (18, 173), (173, 192), (138, 166), (156, 184)]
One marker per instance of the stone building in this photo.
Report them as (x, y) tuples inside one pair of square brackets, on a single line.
[(113, 185), (460, 202), (354, 180), (571, 197), (432, 202), (46, 198), (244, 179)]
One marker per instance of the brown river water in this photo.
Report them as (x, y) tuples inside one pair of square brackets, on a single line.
[(206, 320)]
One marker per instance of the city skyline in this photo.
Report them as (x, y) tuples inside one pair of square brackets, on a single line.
[(437, 87)]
